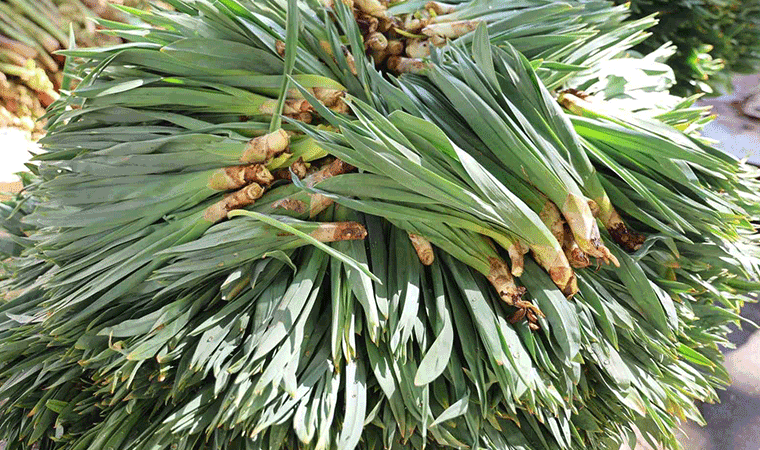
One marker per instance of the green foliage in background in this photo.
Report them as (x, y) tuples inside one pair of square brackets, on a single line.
[(710, 36)]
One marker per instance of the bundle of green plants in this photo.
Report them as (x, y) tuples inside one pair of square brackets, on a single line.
[(282, 224), (714, 39), (31, 31)]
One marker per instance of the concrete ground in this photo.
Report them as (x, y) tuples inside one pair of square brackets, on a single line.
[(732, 424)]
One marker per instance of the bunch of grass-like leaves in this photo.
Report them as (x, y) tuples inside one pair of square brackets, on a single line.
[(248, 229)]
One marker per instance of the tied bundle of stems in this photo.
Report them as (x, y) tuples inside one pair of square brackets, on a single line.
[(360, 224)]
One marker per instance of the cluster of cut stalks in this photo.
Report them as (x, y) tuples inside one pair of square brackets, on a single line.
[(31, 32)]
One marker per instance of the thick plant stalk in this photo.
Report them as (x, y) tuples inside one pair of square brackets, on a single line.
[(239, 199), (236, 177), (451, 30), (264, 148), (339, 231)]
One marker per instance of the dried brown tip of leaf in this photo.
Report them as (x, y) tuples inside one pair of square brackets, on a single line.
[(339, 231), (239, 199), (423, 248), (235, 177), (578, 93), (501, 279), (440, 8), (399, 64), (263, 148), (516, 256), (326, 47), (280, 47)]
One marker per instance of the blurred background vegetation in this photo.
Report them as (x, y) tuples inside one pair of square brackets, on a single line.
[(710, 35)]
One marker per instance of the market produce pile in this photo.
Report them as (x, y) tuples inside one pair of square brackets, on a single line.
[(279, 225), (714, 38), (31, 31)]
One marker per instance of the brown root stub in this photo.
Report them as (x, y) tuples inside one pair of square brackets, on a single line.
[(451, 30), (328, 97), (440, 8), (395, 47), (578, 259), (371, 7), (376, 41), (291, 204), (339, 231), (239, 199), (629, 240), (337, 167), (236, 177), (263, 148), (367, 24), (279, 46), (528, 311), (297, 106), (399, 64), (423, 248), (418, 48), (298, 167), (501, 279)]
